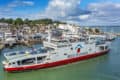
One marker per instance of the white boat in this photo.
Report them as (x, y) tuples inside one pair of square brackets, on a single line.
[(55, 52)]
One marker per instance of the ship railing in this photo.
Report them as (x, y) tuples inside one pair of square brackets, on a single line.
[(22, 56), (56, 45), (47, 44)]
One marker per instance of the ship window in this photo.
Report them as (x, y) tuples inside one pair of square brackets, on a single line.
[(12, 54), (28, 61), (43, 51), (13, 63), (40, 58), (48, 58), (71, 48), (18, 62), (106, 47), (53, 53), (9, 63), (65, 53), (102, 47)]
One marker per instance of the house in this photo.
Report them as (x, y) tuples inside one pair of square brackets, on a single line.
[(4, 27)]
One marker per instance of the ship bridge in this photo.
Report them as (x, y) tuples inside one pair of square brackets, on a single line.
[(56, 44)]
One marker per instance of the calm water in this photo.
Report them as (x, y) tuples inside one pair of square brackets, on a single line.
[(106, 67)]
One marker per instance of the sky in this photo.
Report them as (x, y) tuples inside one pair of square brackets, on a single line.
[(83, 12)]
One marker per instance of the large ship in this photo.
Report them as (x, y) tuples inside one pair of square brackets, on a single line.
[(55, 52)]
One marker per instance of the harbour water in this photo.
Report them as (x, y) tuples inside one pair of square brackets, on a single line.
[(106, 67)]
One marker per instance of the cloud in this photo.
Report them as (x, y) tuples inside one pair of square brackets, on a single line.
[(83, 17), (18, 3), (104, 13), (29, 3), (64, 9), (61, 8)]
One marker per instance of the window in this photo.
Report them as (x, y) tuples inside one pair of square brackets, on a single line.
[(40, 58), (106, 47), (18, 62), (28, 61), (9, 63), (65, 53), (48, 58), (53, 53), (13, 63), (102, 47), (71, 48)]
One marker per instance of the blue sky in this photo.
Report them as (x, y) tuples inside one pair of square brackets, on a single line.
[(21, 7), (83, 12)]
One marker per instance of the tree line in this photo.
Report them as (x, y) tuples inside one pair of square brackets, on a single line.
[(20, 21)]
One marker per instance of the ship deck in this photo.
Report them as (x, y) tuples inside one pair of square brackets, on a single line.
[(13, 56)]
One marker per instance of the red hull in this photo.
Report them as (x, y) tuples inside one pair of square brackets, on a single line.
[(57, 63)]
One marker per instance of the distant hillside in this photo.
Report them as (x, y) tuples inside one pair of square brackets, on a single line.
[(20, 21)]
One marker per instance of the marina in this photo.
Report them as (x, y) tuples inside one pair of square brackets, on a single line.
[(29, 36), (76, 43), (105, 67), (85, 66)]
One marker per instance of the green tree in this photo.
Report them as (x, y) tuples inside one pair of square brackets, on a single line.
[(10, 21), (2, 20), (27, 21), (97, 30), (44, 21), (18, 21), (90, 30)]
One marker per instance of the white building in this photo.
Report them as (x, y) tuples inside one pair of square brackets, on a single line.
[(72, 28), (4, 27)]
